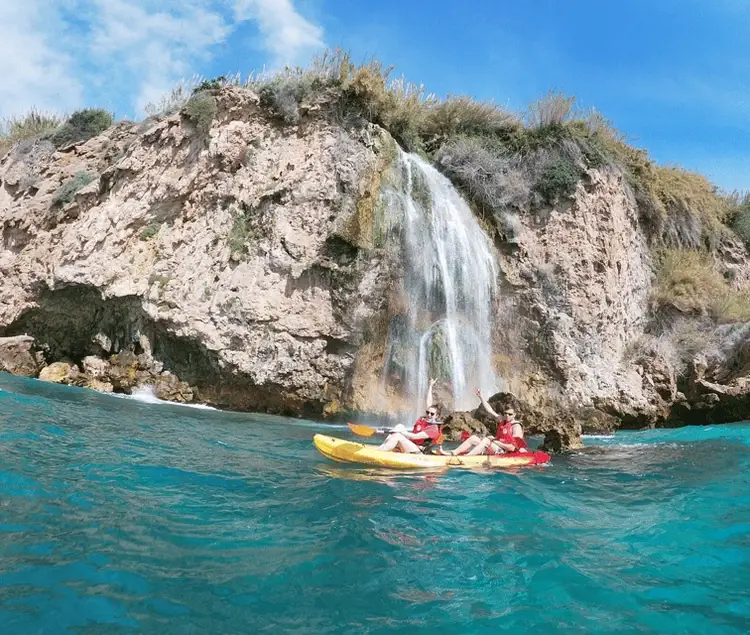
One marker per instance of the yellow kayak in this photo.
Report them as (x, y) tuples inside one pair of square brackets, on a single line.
[(352, 452)]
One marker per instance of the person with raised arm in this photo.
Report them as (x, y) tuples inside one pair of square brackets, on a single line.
[(508, 438), (425, 433)]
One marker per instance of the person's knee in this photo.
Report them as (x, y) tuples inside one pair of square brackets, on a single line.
[(475, 439)]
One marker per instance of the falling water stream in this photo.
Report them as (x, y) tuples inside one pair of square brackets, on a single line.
[(448, 286)]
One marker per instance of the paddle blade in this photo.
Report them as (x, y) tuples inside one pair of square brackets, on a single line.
[(361, 430)]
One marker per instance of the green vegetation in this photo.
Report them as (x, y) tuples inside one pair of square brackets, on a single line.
[(241, 232), (81, 126), (150, 230), (201, 110), (688, 282), (557, 179), (740, 205), (31, 126), (67, 191)]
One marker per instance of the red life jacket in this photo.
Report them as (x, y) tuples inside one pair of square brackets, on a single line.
[(504, 434), (432, 430)]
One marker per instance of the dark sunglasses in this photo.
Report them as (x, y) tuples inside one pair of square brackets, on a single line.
[(430, 413)]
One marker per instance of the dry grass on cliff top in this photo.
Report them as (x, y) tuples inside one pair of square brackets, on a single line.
[(687, 281), (505, 162), (79, 127), (31, 126)]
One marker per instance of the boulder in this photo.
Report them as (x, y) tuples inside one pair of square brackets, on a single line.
[(17, 356), (99, 386), (458, 422), (563, 435), (169, 388), (63, 373)]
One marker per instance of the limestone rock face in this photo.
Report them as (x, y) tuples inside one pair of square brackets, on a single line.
[(578, 278), (236, 256), (242, 264)]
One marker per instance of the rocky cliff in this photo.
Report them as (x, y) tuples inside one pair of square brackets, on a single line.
[(233, 256), (236, 260)]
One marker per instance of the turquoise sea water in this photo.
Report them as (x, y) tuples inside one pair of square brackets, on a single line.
[(123, 517)]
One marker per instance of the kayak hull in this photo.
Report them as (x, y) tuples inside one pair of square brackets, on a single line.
[(344, 451)]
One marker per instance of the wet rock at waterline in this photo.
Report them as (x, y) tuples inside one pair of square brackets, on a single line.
[(18, 356), (63, 373)]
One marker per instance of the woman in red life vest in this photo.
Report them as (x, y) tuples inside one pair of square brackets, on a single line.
[(424, 433), (508, 438)]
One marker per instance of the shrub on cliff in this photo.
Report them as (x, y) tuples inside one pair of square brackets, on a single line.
[(81, 126), (740, 205), (687, 281), (493, 181), (67, 191), (32, 125), (551, 110), (466, 116), (557, 179), (201, 109)]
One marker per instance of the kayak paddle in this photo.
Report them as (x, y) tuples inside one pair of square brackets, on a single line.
[(362, 430)]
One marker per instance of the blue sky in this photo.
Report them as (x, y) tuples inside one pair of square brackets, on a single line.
[(673, 75)]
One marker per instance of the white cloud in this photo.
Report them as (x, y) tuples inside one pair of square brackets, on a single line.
[(286, 34), (34, 71), (53, 53), (154, 46)]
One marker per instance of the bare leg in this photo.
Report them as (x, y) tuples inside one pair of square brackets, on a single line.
[(467, 445), (481, 447), (396, 439)]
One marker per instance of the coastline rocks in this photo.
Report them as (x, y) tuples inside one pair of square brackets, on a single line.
[(169, 388), (63, 373), (563, 434), (17, 356), (122, 373), (99, 386)]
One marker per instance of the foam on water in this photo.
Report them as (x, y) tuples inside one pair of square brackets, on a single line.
[(147, 394)]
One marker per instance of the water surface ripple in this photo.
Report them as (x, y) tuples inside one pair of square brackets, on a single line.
[(123, 517)]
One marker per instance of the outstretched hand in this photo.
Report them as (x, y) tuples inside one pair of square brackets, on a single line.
[(432, 381), (478, 392)]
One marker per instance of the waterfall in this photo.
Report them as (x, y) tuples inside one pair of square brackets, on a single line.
[(450, 271)]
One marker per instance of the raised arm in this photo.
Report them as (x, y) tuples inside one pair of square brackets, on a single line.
[(486, 405), (429, 400)]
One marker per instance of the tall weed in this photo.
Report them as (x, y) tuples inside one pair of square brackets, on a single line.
[(687, 281), (32, 125)]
